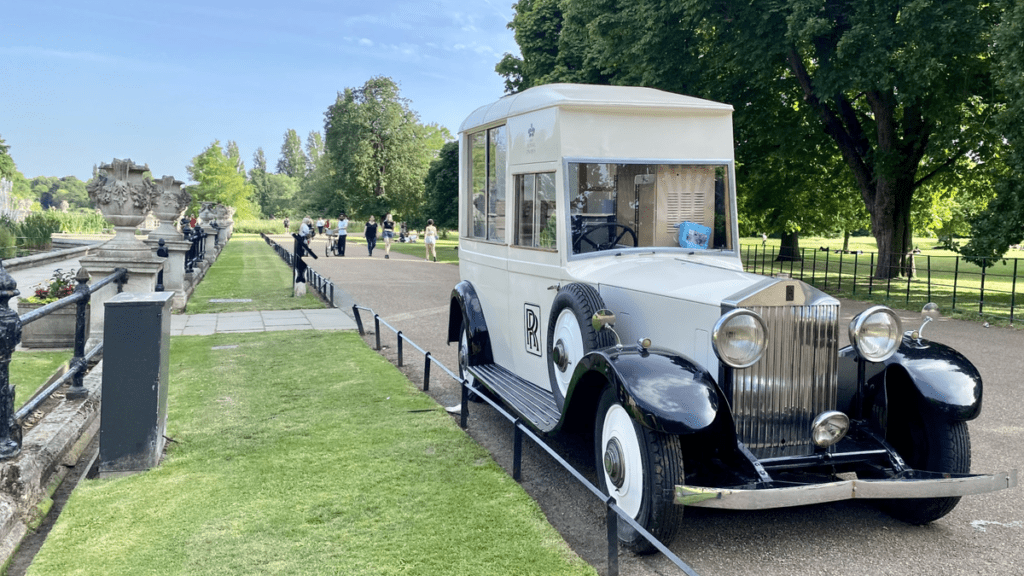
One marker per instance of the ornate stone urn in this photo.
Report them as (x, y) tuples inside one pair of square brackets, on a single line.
[(206, 216), (224, 223), (124, 196), (169, 204)]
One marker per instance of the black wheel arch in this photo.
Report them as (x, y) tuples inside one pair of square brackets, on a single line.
[(936, 378), (466, 310)]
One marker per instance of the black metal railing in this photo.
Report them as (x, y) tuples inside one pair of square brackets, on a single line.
[(323, 285), (950, 281), (613, 512), (10, 336), (197, 251)]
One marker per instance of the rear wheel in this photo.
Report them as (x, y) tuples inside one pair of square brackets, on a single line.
[(640, 469), (464, 372), (571, 334), (927, 442)]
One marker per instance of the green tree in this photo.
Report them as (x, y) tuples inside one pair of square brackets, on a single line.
[(900, 93), (292, 161), (235, 156), (378, 151), (258, 178), (7, 167), (282, 195), (314, 151), (441, 188), (1002, 223), (219, 181)]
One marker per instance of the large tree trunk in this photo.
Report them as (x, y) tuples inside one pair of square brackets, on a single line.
[(790, 247)]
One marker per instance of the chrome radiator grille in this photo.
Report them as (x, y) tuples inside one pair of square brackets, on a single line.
[(775, 400)]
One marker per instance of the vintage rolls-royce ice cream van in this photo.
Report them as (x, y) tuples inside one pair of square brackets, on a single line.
[(602, 287)]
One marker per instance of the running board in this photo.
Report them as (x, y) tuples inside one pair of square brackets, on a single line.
[(531, 403)]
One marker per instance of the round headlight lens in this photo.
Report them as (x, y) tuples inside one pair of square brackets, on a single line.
[(829, 428), (876, 333), (739, 338)]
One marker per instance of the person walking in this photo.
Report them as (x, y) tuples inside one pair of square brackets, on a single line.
[(320, 225), (389, 233), (342, 233), (286, 222), (430, 240), (306, 229), (370, 231)]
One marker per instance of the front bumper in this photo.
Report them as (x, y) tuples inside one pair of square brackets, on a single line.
[(910, 484)]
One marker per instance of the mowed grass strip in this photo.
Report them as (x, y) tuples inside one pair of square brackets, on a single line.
[(304, 455), (248, 268), (29, 370)]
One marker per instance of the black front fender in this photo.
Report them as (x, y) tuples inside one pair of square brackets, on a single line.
[(661, 390), (465, 310), (948, 383)]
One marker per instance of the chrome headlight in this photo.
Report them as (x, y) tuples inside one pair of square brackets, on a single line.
[(829, 428), (739, 338), (876, 333)]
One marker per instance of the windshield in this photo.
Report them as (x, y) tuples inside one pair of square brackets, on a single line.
[(615, 206)]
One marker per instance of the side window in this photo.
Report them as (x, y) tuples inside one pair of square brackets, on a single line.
[(488, 156), (535, 211)]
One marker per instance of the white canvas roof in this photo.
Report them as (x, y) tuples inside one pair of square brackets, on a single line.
[(586, 96)]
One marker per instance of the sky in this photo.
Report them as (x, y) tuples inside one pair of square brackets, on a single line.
[(84, 82)]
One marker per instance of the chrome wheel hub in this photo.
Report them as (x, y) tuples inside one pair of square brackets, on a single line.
[(613, 464)]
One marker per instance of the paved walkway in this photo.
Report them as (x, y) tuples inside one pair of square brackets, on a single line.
[(206, 324), (265, 321)]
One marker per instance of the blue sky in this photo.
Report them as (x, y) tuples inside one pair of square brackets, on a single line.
[(157, 81)]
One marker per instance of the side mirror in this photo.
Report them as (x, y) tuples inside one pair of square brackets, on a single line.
[(930, 312), (605, 318)]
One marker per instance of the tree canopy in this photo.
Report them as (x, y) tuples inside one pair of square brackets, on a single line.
[(441, 188), (877, 100), (6, 162), (377, 150), (293, 159), (220, 181)]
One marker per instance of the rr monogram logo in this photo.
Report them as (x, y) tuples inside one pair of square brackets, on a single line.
[(532, 323)]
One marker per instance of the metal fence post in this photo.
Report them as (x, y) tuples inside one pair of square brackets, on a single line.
[(981, 297), (1013, 289), (376, 329), (839, 277), (77, 389), (928, 263), (910, 276), (399, 348), (517, 450), (856, 258), (426, 372), (613, 538), (359, 321), (464, 409), (956, 274), (825, 286), (10, 336), (871, 274)]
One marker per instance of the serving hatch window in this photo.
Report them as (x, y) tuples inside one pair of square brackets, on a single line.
[(488, 155), (536, 224), (614, 206)]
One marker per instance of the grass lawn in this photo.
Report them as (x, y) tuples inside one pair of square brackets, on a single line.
[(356, 245), (30, 370), (941, 277), (275, 470), (248, 269)]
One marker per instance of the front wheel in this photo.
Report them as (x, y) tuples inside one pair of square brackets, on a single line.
[(927, 442), (640, 469)]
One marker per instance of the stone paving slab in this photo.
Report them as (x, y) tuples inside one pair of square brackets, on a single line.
[(269, 320)]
